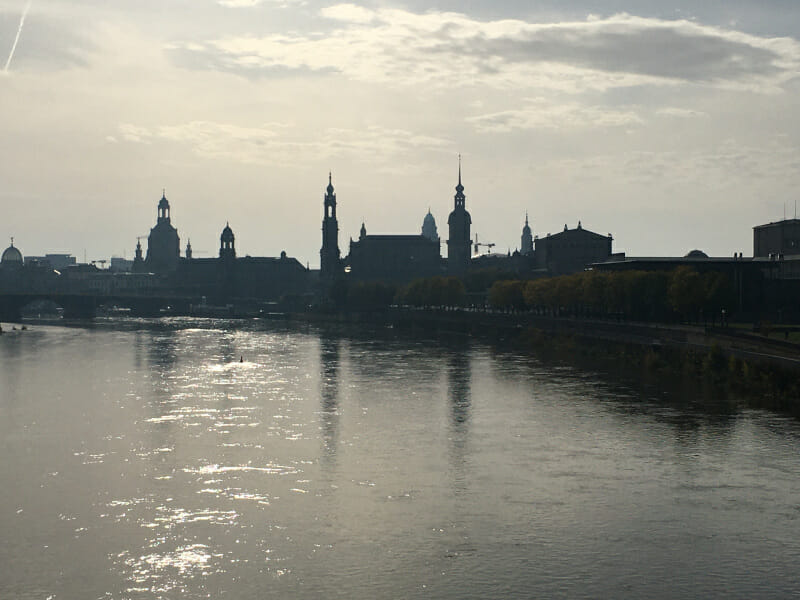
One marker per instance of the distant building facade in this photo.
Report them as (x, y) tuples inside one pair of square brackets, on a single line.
[(572, 250), (779, 238), (120, 265), (397, 258), (56, 261), (222, 279)]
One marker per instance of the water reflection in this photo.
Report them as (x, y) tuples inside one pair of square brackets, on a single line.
[(159, 466), (161, 350), (459, 395), (329, 359)]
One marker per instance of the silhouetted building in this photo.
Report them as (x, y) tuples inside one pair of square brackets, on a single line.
[(138, 259), (782, 237), (397, 258), (228, 277), (12, 257), (120, 265), (429, 227), (459, 242), (163, 243), (227, 248), (224, 279), (572, 250), (53, 260), (747, 276), (526, 244), (329, 255)]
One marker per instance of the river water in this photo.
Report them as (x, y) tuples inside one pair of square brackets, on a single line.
[(143, 460)]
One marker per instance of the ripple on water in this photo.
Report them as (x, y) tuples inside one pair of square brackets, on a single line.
[(269, 468), (160, 572)]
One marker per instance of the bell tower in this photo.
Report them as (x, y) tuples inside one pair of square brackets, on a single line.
[(459, 221), (526, 245), (227, 248), (329, 255)]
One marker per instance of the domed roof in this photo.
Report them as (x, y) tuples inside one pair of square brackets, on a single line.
[(11, 255), (429, 227), (227, 233), (696, 254), (163, 203)]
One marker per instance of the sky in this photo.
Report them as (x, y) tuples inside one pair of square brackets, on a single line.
[(672, 125)]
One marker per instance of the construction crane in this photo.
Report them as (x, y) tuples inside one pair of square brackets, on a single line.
[(477, 245)]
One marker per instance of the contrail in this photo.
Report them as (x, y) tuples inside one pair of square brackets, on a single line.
[(16, 39)]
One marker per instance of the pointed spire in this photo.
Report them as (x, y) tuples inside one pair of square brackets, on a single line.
[(459, 187), (526, 218), (330, 183)]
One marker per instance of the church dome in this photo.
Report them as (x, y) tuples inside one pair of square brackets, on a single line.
[(429, 227), (696, 254), (227, 234), (163, 203), (11, 255)]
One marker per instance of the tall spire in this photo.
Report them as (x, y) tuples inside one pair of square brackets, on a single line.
[(460, 199)]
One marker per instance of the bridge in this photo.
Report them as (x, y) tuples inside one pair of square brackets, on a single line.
[(144, 294)]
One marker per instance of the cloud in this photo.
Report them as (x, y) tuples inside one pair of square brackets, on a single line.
[(273, 143), (539, 113), (683, 113), (239, 3), (730, 164), (445, 49), (252, 3)]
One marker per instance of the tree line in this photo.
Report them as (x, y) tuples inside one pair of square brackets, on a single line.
[(682, 293)]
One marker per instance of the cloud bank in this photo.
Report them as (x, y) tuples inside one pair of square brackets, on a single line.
[(447, 49)]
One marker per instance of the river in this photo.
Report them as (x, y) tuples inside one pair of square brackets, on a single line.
[(187, 458)]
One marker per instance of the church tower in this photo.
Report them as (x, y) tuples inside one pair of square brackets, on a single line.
[(459, 221), (329, 255), (163, 243), (227, 248), (526, 247)]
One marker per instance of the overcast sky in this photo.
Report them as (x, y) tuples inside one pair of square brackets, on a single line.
[(670, 126)]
